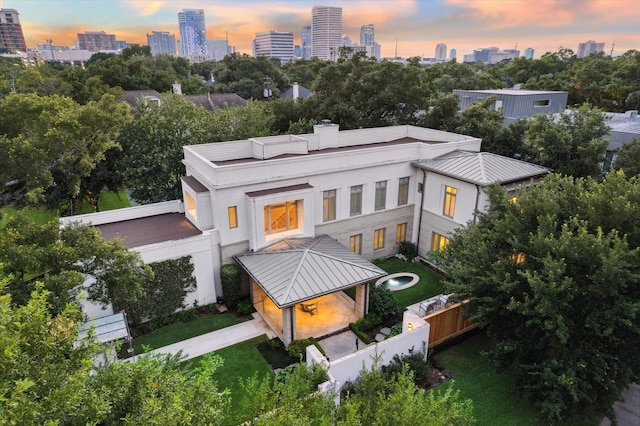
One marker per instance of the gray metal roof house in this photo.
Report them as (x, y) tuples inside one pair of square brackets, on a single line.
[(516, 103)]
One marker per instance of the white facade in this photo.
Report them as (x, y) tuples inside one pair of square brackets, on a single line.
[(326, 31), (441, 52), (161, 42), (274, 44)]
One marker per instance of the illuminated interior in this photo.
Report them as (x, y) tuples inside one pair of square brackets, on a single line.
[(190, 204)]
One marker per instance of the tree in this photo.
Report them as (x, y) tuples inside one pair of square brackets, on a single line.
[(52, 141), (48, 378), (555, 280), (62, 258), (629, 158), (572, 144)]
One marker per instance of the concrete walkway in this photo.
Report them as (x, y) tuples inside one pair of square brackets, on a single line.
[(628, 409), (215, 340)]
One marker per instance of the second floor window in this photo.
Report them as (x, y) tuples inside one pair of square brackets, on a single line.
[(355, 204), (381, 195), (329, 205), (355, 243), (280, 217), (403, 191), (449, 201)]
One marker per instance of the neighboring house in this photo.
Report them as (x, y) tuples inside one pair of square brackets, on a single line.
[(624, 128), (209, 101), (516, 103), (296, 91), (304, 214)]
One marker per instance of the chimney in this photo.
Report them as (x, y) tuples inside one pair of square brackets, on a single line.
[(328, 134), (177, 88), (296, 90)]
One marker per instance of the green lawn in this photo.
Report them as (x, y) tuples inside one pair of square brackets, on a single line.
[(41, 215), (428, 286), (179, 331), (241, 361), (495, 401)]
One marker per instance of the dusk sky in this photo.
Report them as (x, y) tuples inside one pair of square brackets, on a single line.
[(417, 25)]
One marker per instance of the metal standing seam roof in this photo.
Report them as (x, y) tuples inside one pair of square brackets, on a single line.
[(481, 168), (294, 270), (106, 329)]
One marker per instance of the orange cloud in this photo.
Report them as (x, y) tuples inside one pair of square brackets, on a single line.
[(514, 13), (147, 8)]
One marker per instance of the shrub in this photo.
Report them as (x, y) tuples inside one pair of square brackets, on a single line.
[(298, 348), (408, 249), (382, 302), (416, 362), (244, 307), (230, 277)]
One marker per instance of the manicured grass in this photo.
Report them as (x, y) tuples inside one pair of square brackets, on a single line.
[(494, 396), (108, 201), (179, 331), (39, 215), (241, 361), (429, 285)]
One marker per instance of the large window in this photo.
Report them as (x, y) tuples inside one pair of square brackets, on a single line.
[(355, 204), (355, 243), (401, 232), (233, 217), (329, 205), (439, 242), (280, 217), (378, 239), (403, 191), (381, 195), (190, 204), (449, 201)]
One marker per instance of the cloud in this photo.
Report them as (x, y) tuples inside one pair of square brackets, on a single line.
[(146, 8)]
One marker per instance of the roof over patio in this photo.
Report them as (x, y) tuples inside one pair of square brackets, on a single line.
[(294, 270)]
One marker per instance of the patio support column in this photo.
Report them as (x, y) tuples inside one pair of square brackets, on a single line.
[(288, 325), (361, 299)]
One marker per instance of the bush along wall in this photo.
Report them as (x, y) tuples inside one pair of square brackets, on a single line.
[(164, 294), (231, 284)]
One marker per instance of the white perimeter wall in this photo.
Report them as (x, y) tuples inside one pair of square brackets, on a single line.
[(415, 333)]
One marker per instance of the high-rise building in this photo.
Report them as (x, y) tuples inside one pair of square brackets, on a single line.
[(161, 42), (441, 52), (453, 54), (306, 42), (218, 49), (11, 36), (95, 41), (326, 31), (528, 53), (368, 40), (589, 47), (193, 35), (274, 44)]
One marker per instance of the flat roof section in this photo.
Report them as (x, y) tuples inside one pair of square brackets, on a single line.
[(401, 141), (150, 230)]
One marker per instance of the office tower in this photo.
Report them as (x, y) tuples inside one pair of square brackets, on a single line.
[(95, 41), (441, 52), (217, 49), (11, 36), (193, 35), (326, 31), (274, 44), (453, 54), (368, 40), (162, 42), (306, 42), (589, 47), (528, 53)]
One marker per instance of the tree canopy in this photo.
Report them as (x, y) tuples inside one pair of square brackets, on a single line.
[(554, 277)]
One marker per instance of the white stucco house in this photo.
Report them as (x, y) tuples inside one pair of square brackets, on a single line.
[(304, 214)]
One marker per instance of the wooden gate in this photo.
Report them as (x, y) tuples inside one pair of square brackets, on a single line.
[(448, 323)]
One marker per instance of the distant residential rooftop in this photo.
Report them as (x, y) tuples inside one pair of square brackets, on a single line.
[(150, 229), (520, 92)]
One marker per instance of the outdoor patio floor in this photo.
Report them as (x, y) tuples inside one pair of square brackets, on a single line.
[(334, 313)]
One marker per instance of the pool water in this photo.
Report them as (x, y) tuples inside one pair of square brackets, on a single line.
[(399, 281)]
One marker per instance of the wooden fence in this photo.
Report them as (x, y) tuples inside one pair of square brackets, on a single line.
[(448, 323)]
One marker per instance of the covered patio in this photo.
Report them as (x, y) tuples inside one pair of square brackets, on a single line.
[(297, 286)]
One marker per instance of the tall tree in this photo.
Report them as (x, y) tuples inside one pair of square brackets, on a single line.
[(62, 258), (52, 141), (629, 158), (572, 144), (556, 283)]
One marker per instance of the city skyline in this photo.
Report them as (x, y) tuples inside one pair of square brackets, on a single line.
[(418, 26)]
